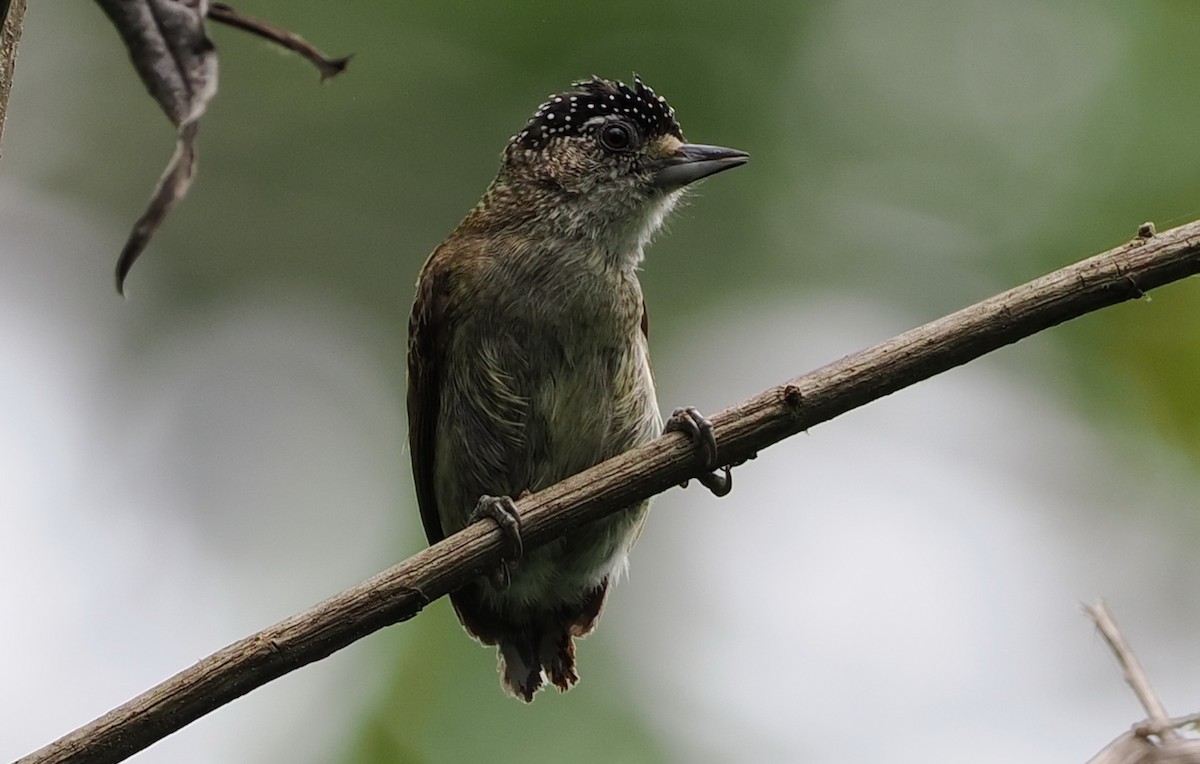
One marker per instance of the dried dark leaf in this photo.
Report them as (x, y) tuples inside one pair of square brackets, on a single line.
[(178, 64), (175, 181), (170, 51), (328, 67)]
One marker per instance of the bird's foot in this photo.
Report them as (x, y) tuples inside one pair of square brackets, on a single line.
[(503, 511), (696, 426)]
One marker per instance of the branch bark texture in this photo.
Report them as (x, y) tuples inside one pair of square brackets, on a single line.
[(399, 593), (11, 14)]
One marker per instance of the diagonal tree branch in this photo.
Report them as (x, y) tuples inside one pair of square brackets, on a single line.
[(399, 593)]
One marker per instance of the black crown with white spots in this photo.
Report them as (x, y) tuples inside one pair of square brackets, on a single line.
[(570, 113)]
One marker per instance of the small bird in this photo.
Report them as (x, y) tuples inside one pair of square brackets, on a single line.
[(528, 360)]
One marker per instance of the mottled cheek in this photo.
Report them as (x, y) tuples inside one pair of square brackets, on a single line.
[(573, 169)]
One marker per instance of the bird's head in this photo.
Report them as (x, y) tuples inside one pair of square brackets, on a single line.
[(606, 160)]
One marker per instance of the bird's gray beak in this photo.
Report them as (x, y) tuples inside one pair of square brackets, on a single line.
[(693, 161)]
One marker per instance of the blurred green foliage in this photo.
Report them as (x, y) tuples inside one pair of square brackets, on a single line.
[(445, 704)]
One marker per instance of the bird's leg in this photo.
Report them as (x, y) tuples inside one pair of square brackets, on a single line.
[(696, 426), (503, 511)]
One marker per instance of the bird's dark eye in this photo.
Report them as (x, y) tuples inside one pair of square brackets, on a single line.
[(617, 136)]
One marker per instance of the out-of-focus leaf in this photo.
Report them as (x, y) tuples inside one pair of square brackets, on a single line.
[(1132, 748), (178, 64)]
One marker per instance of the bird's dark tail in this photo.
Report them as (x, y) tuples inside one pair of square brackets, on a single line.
[(534, 646), (528, 659)]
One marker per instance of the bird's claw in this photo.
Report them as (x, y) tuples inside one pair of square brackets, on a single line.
[(502, 510), (696, 426), (699, 430), (720, 485)]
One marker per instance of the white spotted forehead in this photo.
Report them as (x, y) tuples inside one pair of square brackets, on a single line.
[(571, 113)]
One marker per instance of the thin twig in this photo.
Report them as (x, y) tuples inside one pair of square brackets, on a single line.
[(399, 593), (327, 66), (1160, 721), (1191, 720), (1154, 741)]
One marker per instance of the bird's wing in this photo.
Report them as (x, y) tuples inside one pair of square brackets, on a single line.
[(428, 337)]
